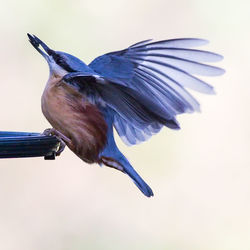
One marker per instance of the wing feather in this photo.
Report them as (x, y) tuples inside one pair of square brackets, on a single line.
[(162, 71)]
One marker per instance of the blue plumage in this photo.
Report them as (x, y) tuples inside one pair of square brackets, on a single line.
[(162, 71), (113, 152), (137, 91)]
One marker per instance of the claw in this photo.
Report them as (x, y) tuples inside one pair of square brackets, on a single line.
[(48, 131), (61, 147), (62, 138)]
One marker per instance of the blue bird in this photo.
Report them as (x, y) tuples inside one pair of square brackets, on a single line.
[(137, 91)]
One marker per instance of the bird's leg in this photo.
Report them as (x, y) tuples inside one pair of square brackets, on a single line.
[(61, 137)]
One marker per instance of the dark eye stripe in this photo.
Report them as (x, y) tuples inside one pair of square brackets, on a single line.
[(61, 62), (66, 67)]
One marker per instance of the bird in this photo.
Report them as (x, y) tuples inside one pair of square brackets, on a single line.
[(136, 91)]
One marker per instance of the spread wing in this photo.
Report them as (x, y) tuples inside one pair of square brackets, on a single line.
[(162, 71), (133, 107)]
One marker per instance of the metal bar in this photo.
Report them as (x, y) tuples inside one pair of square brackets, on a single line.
[(26, 144)]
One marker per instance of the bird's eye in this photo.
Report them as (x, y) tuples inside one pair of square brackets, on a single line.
[(62, 62), (58, 59)]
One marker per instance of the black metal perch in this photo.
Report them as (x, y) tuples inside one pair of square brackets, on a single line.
[(24, 144)]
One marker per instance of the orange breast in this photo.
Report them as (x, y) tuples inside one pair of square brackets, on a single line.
[(71, 114)]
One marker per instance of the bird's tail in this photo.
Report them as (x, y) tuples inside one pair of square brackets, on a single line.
[(122, 164)]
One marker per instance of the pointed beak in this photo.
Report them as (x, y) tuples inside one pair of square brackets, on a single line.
[(37, 43)]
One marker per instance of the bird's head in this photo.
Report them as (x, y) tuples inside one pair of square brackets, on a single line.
[(60, 63)]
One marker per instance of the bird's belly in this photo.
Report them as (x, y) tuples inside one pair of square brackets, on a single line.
[(78, 120)]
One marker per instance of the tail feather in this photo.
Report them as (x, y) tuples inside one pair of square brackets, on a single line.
[(112, 157), (122, 164), (139, 182)]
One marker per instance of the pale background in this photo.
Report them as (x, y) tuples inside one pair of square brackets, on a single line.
[(200, 175)]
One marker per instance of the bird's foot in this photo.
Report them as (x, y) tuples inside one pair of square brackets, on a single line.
[(61, 137), (61, 146)]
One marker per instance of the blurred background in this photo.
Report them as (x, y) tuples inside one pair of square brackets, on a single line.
[(200, 175)]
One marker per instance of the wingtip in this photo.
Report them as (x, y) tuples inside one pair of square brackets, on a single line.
[(203, 41), (140, 43), (195, 42), (220, 57), (223, 71), (173, 124)]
